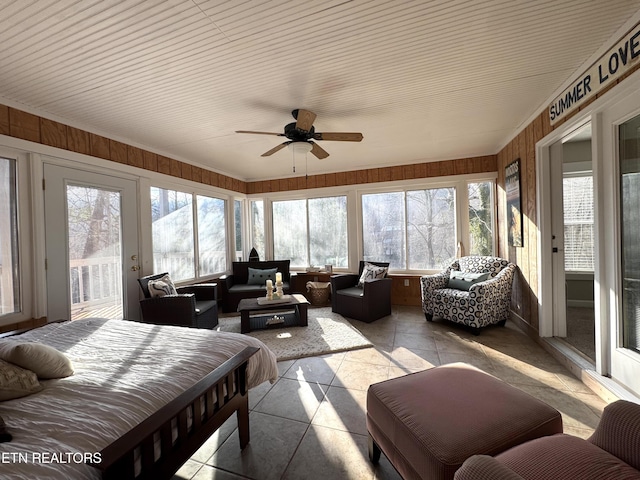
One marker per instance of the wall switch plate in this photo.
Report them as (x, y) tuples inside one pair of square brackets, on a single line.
[(406, 282)]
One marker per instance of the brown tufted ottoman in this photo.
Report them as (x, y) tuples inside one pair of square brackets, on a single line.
[(428, 423)]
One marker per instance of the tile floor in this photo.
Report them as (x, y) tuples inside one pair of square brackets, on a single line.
[(310, 424)]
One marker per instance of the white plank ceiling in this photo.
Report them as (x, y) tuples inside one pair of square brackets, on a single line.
[(422, 80)]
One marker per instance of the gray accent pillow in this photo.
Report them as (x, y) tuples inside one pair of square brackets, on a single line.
[(464, 280), (259, 277)]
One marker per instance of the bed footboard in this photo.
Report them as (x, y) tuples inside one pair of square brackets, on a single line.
[(195, 414)]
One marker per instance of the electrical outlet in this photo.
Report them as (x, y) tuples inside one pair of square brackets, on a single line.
[(406, 282)]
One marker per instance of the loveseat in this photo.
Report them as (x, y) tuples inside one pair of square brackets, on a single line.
[(240, 284), (611, 453)]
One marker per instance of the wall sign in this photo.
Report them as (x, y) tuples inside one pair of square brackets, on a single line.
[(624, 55), (514, 208)]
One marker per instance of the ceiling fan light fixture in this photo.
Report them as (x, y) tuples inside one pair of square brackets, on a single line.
[(300, 148)]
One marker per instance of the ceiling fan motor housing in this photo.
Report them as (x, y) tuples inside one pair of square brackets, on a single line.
[(296, 135)]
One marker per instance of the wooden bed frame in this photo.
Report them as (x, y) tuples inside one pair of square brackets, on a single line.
[(222, 392)]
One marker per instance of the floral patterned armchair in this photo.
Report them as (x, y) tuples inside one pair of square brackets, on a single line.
[(485, 303)]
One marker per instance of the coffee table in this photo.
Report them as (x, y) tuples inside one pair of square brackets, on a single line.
[(250, 319)]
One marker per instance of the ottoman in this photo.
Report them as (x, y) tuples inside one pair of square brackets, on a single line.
[(428, 423)]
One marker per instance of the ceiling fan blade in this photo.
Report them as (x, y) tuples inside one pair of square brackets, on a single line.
[(339, 136), (318, 151), (260, 133), (275, 149), (304, 120)]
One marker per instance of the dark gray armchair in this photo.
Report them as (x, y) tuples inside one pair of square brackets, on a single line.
[(194, 306), (367, 303)]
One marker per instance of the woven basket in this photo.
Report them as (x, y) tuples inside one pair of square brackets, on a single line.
[(318, 292)]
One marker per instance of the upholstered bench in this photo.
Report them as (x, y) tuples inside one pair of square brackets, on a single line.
[(428, 423)]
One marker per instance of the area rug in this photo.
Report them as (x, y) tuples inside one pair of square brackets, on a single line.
[(327, 332)]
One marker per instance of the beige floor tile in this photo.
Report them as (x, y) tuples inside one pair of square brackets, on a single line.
[(414, 358), (293, 399), (311, 423), (343, 409), (188, 470), (211, 473), (358, 375), (375, 356), (214, 442), (325, 453), (273, 443), (415, 340), (315, 369)]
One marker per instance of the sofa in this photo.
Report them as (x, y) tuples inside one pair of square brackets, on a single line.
[(239, 284), (474, 291), (611, 453)]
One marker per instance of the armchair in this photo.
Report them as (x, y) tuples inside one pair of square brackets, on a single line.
[(486, 302), (367, 303), (192, 306)]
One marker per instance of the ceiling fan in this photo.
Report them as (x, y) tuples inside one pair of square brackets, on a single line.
[(302, 131)]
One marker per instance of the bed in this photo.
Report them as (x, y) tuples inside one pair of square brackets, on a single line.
[(141, 401)]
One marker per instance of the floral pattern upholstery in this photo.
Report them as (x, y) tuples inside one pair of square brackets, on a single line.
[(485, 303)]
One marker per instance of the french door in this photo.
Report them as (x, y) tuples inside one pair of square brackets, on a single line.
[(621, 142), (91, 229)]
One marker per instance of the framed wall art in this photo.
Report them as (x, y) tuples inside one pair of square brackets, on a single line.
[(514, 207)]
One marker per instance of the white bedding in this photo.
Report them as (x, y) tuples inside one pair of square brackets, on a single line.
[(124, 371)]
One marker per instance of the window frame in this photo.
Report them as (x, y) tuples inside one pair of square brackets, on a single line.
[(354, 210), (459, 184), (228, 233)]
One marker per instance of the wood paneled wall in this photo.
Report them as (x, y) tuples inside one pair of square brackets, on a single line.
[(19, 124)]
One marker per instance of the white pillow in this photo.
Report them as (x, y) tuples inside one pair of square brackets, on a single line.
[(371, 272), (16, 382), (43, 360), (162, 287)]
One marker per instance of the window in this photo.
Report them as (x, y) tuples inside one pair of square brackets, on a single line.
[(9, 266), (577, 195), (257, 227), (212, 232), (480, 218), (173, 234), (410, 230), (311, 232), (237, 221), (418, 229)]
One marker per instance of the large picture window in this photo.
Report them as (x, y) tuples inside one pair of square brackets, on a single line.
[(9, 266), (418, 229), (311, 232), (175, 229), (410, 230)]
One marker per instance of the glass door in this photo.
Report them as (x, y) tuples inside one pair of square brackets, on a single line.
[(621, 212), (91, 232)]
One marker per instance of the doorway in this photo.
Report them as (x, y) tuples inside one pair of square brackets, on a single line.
[(91, 229), (573, 236)]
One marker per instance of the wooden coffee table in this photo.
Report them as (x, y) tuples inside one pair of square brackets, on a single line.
[(254, 316)]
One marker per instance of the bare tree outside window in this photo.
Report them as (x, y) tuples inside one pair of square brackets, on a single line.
[(9, 271), (480, 218), (431, 228)]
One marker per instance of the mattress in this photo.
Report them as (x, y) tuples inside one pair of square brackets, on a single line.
[(124, 372)]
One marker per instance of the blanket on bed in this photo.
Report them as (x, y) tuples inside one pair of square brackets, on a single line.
[(124, 372)]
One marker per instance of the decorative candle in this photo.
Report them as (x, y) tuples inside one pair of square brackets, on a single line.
[(269, 283), (278, 277)]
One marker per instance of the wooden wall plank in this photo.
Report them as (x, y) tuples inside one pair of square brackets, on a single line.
[(24, 125), (4, 120), (53, 133)]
